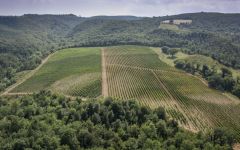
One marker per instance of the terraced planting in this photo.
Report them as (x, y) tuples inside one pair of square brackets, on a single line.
[(137, 73), (74, 72)]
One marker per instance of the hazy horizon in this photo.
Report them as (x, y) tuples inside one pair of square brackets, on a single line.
[(87, 8)]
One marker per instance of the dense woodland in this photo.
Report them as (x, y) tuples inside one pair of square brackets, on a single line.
[(49, 121), (25, 40)]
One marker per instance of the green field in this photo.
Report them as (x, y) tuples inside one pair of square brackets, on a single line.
[(137, 73), (69, 71)]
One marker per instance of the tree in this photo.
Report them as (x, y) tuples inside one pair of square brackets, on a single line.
[(229, 83), (216, 81), (180, 64), (236, 90), (152, 144), (187, 145), (165, 49), (96, 119), (161, 129), (85, 138), (226, 72), (68, 137), (172, 52), (48, 142), (131, 143), (161, 113), (205, 71), (223, 136)]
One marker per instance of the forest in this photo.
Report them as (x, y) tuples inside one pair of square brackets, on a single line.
[(49, 121)]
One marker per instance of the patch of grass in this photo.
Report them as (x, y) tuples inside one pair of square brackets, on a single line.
[(172, 27), (165, 58), (20, 75)]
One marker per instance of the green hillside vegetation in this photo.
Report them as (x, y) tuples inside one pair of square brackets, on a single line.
[(49, 121), (154, 94), (25, 40), (65, 72)]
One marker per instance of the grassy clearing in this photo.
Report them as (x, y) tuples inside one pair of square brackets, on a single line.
[(172, 27), (137, 73), (64, 64), (169, 27), (20, 75), (165, 58), (197, 59)]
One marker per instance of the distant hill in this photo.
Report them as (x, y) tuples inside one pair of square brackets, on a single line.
[(210, 21), (117, 17)]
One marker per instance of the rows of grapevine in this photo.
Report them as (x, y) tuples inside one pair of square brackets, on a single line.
[(92, 90), (66, 70), (218, 109), (135, 56), (142, 85), (135, 73), (131, 82)]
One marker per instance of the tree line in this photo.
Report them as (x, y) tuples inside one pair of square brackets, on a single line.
[(222, 80)]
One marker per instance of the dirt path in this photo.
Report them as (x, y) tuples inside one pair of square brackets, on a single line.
[(199, 78), (190, 126), (104, 75), (30, 74), (163, 86), (236, 146)]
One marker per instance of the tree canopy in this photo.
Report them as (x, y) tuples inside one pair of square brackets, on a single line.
[(49, 121)]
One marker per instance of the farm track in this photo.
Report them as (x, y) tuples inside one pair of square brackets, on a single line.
[(104, 75), (29, 75), (190, 127)]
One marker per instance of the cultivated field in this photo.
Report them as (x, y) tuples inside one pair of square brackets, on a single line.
[(137, 73), (74, 72)]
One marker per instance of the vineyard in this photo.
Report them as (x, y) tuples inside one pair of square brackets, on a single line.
[(73, 72), (137, 73)]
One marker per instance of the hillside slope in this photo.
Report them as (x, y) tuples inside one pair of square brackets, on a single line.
[(25, 40)]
